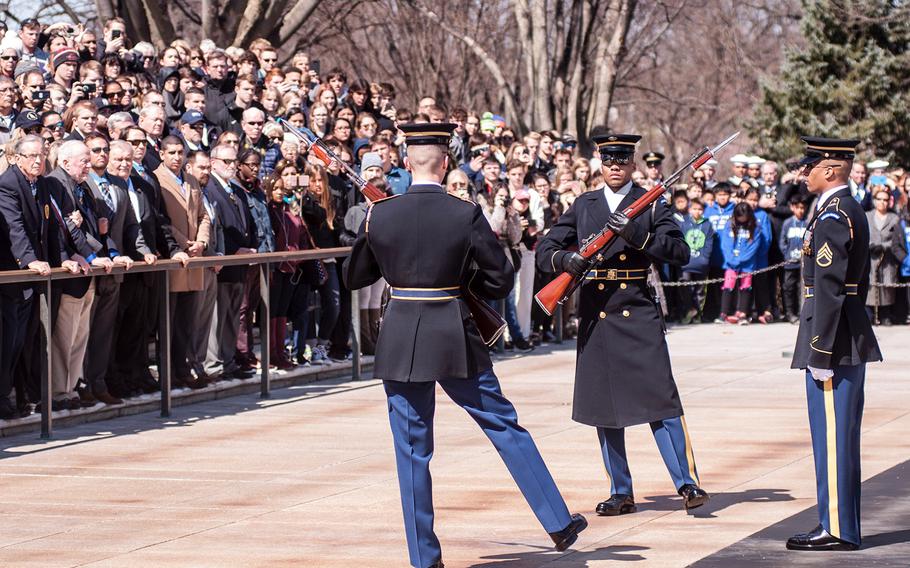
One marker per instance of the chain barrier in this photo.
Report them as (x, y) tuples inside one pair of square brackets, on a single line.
[(707, 281)]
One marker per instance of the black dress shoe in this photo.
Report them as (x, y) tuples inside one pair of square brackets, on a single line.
[(567, 536), (693, 495), (618, 504), (818, 539)]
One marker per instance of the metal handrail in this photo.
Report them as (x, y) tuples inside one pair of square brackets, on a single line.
[(25, 275), (164, 268)]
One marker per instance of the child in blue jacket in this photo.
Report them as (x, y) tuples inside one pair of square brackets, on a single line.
[(699, 235), (762, 283), (740, 243), (791, 245)]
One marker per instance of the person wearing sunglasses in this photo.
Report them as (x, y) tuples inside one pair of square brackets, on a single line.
[(835, 340), (623, 376), (9, 57)]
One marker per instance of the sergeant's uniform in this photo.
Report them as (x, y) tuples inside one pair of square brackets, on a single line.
[(835, 333), (623, 375), (425, 243)]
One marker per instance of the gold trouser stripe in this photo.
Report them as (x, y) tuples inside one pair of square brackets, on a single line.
[(831, 436), (690, 455)]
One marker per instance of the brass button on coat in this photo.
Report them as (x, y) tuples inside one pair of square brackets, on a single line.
[(625, 313), (623, 285), (622, 257), (603, 315), (601, 286)]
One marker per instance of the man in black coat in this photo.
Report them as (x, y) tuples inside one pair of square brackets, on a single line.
[(623, 375), (30, 238), (423, 243), (240, 237), (835, 341)]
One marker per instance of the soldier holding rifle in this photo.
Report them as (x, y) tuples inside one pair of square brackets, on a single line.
[(424, 243), (623, 375)]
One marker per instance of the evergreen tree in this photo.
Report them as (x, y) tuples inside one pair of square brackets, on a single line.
[(851, 80)]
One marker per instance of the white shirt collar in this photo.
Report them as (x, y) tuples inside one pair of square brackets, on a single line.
[(426, 182), (624, 190), (827, 195)]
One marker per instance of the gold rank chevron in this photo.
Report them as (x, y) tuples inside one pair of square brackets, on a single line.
[(824, 256)]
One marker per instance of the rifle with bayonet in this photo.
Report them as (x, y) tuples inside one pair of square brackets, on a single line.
[(489, 323), (559, 290)]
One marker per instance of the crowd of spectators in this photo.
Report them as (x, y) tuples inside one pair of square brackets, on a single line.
[(117, 153)]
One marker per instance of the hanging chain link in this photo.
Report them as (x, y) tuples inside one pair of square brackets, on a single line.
[(720, 280)]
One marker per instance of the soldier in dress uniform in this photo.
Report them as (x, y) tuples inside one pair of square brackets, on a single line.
[(653, 162), (428, 244), (623, 374), (835, 341)]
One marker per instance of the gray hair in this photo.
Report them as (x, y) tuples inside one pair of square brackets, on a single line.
[(120, 117), (70, 149), (122, 146), (28, 139), (148, 110)]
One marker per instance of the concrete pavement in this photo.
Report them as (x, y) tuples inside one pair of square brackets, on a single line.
[(307, 477)]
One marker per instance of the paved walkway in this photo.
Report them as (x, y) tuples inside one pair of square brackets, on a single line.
[(307, 477)]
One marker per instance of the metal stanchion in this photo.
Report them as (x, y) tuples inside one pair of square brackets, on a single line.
[(44, 303), (355, 335), (265, 338), (558, 322), (164, 342)]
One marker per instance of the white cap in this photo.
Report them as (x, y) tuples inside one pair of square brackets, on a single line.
[(877, 164), (711, 163), (755, 160), (739, 159)]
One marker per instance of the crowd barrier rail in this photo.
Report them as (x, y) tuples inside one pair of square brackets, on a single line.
[(164, 268)]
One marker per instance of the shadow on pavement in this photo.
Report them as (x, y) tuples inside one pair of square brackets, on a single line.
[(569, 559), (718, 502), (29, 443), (886, 529)]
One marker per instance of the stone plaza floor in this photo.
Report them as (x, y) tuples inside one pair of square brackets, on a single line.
[(307, 478)]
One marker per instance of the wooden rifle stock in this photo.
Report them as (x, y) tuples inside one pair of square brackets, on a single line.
[(489, 323), (561, 287)]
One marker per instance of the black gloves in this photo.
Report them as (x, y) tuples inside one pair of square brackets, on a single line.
[(574, 264), (632, 232)]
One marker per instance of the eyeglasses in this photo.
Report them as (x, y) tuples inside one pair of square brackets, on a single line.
[(458, 184), (136, 143), (227, 161), (55, 125), (270, 60), (114, 94), (231, 142), (130, 91), (100, 150), (251, 165), (198, 126), (9, 57), (255, 123), (157, 103), (31, 157), (615, 160)]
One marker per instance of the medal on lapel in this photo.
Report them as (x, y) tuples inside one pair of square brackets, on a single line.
[(47, 212)]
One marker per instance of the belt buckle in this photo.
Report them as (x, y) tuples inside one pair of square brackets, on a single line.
[(611, 274)]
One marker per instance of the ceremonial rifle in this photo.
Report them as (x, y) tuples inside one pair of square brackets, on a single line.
[(559, 290), (489, 323), (322, 152)]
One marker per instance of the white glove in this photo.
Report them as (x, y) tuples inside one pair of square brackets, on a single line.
[(821, 375)]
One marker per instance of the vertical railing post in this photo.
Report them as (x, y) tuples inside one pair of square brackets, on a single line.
[(355, 335), (164, 341), (44, 307), (265, 338), (558, 322)]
